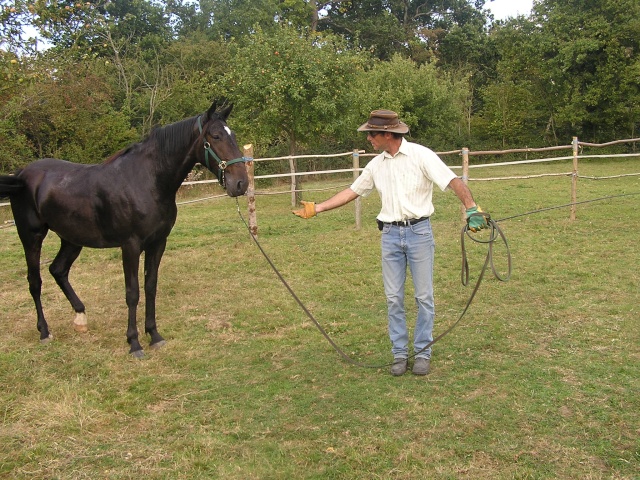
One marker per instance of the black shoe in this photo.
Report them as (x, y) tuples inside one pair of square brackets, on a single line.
[(421, 366), (399, 366)]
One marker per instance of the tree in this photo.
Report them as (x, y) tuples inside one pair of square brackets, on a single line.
[(128, 35), (517, 105), (595, 60), (580, 61), (290, 88), (429, 101), (228, 19), (194, 67), (71, 24), (68, 116), (408, 27), (469, 53)]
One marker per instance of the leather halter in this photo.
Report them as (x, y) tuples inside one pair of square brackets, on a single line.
[(222, 164)]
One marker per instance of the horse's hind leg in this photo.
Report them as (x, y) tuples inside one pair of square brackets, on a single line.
[(32, 235), (59, 269)]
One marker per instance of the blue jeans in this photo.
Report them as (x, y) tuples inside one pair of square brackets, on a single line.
[(412, 246)]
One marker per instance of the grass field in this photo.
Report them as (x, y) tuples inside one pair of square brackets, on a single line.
[(541, 379)]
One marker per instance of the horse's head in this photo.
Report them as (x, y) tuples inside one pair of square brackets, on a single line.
[(221, 154)]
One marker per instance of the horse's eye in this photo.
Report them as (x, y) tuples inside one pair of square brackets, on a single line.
[(216, 137)]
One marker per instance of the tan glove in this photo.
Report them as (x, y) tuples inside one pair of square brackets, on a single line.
[(308, 210)]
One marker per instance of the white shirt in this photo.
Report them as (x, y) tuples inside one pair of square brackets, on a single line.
[(404, 181)]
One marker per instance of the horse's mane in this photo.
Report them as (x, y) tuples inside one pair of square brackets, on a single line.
[(169, 137), (172, 137), (118, 154)]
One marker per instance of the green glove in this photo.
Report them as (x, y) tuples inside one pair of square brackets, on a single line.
[(476, 218)]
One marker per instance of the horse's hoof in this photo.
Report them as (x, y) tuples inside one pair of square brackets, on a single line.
[(44, 341), (158, 345), (139, 354), (80, 323)]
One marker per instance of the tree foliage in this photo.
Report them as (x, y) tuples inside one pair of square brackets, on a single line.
[(427, 99), (69, 117), (570, 69), (291, 88), (387, 27), (305, 73)]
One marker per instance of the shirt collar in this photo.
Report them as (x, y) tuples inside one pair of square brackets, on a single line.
[(403, 149)]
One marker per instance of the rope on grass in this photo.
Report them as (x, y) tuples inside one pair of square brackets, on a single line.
[(496, 233)]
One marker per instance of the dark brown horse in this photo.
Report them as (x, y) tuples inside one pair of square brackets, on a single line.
[(129, 201)]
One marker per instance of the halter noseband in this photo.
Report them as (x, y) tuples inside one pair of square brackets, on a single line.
[(222, 165)]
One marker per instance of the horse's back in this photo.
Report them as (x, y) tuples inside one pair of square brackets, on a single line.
[(99, 205), (51, 166), (49, 179)]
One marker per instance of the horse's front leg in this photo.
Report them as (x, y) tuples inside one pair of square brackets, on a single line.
[(152, 256), (131, 265)]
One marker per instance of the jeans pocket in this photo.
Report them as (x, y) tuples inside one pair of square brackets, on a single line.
[(422, 228)]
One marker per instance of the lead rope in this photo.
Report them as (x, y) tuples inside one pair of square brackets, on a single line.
[(495, 233)]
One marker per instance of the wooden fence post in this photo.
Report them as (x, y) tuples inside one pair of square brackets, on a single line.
[(465, 177), (294, 182), (574, 179), (251, 190), (356, 173)]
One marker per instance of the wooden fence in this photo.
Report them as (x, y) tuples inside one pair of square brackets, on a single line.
[(464, 153)]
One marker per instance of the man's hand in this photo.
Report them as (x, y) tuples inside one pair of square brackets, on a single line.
[(477, 219), (308, 210)]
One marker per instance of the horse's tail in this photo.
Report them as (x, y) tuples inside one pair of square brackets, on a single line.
[(10, 185)]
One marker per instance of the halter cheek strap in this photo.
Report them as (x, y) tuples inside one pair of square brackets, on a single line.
[(222, 165)]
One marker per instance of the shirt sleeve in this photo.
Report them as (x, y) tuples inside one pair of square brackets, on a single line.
[(436, 170), (364, 184)]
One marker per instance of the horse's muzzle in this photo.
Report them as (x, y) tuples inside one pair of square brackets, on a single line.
[(235, 186), (238, 190)]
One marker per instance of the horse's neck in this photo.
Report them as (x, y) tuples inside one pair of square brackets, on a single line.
[(177, 155)]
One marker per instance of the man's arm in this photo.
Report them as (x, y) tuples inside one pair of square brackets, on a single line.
[(476, 219), (462, 192), (310, 209), (339, 199)]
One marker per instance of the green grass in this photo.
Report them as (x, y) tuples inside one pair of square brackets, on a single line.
[(539, 381)]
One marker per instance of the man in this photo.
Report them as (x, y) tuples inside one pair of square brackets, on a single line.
[(404, 175)]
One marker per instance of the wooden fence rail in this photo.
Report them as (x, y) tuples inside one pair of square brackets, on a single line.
[(464, 153)]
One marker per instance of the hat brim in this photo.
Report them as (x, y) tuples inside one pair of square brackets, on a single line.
[(400, 128)]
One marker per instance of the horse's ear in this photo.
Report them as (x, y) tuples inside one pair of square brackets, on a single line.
[(212, 109), (224, 113)]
